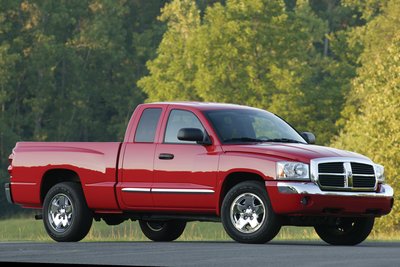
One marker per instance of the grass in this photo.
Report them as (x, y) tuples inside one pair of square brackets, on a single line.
[(29, 229)]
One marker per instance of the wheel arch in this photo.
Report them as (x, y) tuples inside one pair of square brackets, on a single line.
[(55, 176), (233, 179)]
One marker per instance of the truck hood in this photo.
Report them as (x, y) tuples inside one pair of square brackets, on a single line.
[(293, 152)]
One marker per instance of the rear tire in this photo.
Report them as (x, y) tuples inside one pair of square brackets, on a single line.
[(247, 214), (66, 215), (346, 232), (162, 231)]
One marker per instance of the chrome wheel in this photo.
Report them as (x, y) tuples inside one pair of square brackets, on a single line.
[(247, 213), (60, 213)]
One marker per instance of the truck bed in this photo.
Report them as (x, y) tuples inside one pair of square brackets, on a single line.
[(96, 164)]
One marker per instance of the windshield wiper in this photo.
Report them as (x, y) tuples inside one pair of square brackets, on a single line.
[(244, 139), (283, 140)]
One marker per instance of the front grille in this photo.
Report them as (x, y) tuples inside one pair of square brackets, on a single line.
[(348, 176), (331, 180), (361, 168), (331, 167), (363, 182)]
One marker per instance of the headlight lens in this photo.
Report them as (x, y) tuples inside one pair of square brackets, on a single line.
[(380, 173), (292, 170)]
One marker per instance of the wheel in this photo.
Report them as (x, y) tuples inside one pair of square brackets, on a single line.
[(346, 231), (247, 214), (162, 230), (66, 216)]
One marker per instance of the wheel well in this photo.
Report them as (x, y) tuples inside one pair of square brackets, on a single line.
[(53, 177), (234, 178)]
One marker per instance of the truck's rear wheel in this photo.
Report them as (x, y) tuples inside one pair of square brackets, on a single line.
[(247, 215), (162, 230), (346, 231), (66, 216)]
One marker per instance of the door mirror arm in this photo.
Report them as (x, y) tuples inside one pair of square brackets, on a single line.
[(206, 141)]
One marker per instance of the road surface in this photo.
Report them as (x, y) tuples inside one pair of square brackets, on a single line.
[(276, 253)]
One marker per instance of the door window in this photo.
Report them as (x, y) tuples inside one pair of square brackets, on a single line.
[(177, 120)]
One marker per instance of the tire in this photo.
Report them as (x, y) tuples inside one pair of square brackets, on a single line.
[(247, 214), (346, 232), (66, 216), (162, 231)]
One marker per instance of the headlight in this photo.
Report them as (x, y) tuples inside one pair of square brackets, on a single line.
[(380, 173), (292, 170)]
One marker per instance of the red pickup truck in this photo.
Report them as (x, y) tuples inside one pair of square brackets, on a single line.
[(191, 161)]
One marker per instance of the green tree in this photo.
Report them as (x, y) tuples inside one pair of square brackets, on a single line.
[(69, 69), (257, 52), (372, 127), (172, 71), (8, 61), (367, 8)]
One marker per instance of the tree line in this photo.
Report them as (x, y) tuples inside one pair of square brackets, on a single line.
[(74, 70)]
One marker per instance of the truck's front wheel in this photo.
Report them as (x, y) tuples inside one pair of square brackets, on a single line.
[(66, 216), (162, 230), (346, 231), (247, 214)]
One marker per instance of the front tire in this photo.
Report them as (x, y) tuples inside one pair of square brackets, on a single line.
[(346, 231), (66, 215), (162, 231), (247, 214)]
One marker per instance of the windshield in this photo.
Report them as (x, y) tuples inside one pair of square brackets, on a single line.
[(242, 126)]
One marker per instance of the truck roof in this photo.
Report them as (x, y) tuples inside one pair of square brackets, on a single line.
[(203, 105)]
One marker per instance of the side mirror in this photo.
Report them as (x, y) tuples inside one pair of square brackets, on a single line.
[(194, 135), (309, 137)]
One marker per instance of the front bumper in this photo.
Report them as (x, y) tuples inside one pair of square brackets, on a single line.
[(306, 198), (8, 193)]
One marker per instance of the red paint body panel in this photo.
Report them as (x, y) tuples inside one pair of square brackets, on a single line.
[(137, 172), (94, 163), (193, 167), (293, 152), (129, 176)]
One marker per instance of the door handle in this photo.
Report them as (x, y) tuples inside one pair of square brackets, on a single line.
[(166, 156)]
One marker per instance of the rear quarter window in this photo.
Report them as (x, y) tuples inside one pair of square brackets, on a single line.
[(147, 126)]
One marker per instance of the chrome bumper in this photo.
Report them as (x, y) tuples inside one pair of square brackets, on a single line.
[(312, 189)]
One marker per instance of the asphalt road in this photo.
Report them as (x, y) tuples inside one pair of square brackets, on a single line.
[(276, 253)]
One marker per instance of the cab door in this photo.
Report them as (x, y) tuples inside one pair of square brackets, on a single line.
[(138, 161), (185, 172)]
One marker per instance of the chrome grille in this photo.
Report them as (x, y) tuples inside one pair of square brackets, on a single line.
[(362, 168), (352, 175), (331, 167), (331, 180)]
